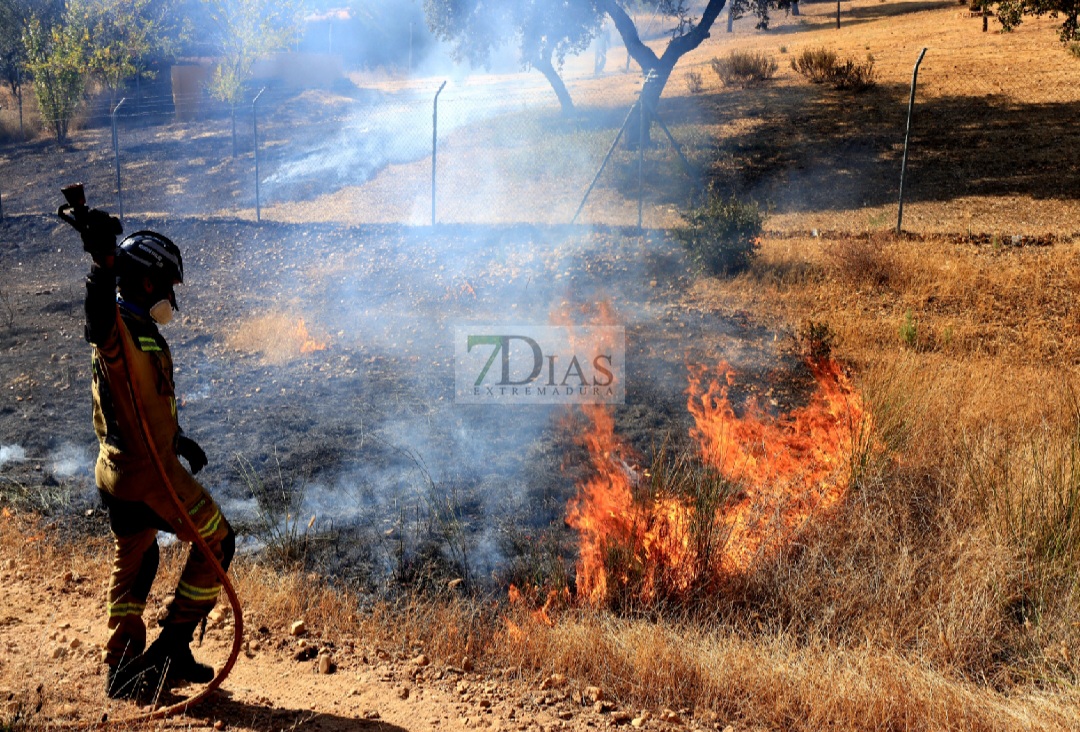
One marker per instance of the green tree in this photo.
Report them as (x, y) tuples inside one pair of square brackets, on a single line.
[(123, 35), (57, 58), (1011, 14), (544, 32), (244, 30), (15, 16)]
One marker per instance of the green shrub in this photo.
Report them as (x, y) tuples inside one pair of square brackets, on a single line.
[(744, 68), (721, 235), (909, 331)]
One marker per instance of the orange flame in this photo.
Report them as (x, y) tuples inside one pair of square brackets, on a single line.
[(787, 468), (308, 344)]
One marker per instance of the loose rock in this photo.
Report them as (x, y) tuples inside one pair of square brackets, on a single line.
[(670, 716), (298, 628), (326, 664), (554, 681)]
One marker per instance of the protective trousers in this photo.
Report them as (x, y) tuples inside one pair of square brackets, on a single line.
[(135, 524)]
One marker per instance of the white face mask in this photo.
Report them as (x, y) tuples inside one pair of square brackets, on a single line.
[(161, 312)]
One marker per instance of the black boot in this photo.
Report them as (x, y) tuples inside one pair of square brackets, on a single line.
[(123, 680), (169, 658)]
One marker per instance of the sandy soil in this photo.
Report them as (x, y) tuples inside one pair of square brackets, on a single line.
[(52, 630)]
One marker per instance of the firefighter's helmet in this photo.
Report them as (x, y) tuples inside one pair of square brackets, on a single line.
[(154, 255)]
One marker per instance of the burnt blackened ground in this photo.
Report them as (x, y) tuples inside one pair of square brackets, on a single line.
[(355, 458)]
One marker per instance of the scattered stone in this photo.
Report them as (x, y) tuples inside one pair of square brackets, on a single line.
[(602, 707), (593, 694), (10, 565), (466, 664), (306, 654), (371, 714), (326, 664), (75, 644), (218, 615), (218, 724), (421, 661), (58, 652), (553, 682), (637, 722), (254, 645), (382, 655), (298, 628), (403, 692), (484, 703), (565, 714), (621, 717), (729, 728), (64, 626), (670, 716)]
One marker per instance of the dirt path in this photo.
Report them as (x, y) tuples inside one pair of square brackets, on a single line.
[(52, 629)]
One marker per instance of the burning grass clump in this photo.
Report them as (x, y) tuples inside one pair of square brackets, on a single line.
[(677, 532)]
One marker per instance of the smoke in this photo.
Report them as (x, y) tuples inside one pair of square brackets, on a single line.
[(70, 460), (11, 453)]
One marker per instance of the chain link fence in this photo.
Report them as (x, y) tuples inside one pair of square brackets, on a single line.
[(994, 148)]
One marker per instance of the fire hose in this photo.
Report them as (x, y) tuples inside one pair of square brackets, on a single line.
[(127, 356)]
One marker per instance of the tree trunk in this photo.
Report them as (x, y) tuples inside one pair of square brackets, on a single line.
[(636, 132), (544, 66), (233, 130), (795, 9), (730, 17), (659, 66)]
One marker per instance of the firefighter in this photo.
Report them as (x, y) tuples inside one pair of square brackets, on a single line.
[(137, 279)]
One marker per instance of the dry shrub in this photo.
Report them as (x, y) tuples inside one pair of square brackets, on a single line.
[(822, 66), (862, 261), (744, 68), (816, 64), (695, 84)]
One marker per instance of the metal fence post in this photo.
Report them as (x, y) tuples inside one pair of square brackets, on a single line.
[(255, 136), (116, 155), (641, 155), (434, 147), (907, 137)]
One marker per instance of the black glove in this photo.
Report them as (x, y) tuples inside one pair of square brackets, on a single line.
[(99, 231), (188, 449)]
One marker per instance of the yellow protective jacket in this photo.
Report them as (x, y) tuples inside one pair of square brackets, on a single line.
[(124, 466)]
